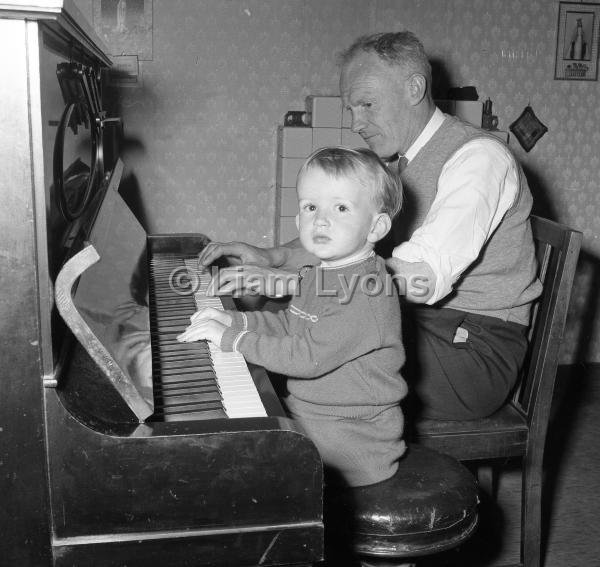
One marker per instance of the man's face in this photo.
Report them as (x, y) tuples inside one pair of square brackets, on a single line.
[(378, 97)]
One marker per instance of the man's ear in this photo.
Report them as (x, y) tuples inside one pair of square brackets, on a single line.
[(417, 88), (382, 223), (298, 221)]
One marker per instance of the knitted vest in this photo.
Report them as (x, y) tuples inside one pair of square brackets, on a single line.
[(502, 282)]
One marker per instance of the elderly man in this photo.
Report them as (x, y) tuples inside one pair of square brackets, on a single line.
[(463, 241)]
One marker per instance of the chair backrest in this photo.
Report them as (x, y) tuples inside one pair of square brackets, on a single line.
[(557, 250)]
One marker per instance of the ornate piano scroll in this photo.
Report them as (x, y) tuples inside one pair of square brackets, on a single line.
[(133, 394)]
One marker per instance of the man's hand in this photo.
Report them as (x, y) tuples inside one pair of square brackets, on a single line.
[(236, 252), (253, 280)]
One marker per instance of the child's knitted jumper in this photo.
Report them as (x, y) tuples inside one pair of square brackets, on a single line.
[(340, 343)]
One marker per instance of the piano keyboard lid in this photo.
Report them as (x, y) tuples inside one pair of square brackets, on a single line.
[(102, 294)]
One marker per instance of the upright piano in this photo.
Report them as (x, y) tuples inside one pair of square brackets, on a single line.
[(119, 445)]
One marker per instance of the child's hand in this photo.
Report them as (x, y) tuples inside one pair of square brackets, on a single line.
[(207, 313), (207, 329)]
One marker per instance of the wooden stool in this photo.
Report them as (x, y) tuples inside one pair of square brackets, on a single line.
[(428, 506)]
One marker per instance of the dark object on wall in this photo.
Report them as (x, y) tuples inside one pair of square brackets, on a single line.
[(295, 118), (463, 93), (528, 129), (489, 121)]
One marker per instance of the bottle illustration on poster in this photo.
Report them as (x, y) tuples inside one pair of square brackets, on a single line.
[(578, 32)]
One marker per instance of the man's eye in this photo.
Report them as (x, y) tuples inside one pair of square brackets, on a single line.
[(309, 207), (342, 208), (367, 104)]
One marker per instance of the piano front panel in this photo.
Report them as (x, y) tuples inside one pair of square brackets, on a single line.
[(212, 480)]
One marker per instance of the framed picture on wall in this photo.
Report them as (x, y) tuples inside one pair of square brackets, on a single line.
[(125, 26), (577, 41)]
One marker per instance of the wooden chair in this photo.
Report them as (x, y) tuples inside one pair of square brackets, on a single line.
[(519, 428)]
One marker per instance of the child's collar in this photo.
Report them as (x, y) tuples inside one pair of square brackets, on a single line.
[(354, 259)]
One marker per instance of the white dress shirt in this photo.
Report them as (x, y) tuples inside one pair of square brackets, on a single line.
[(476, 187)]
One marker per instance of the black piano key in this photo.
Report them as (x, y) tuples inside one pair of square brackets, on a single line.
[(180, 357), (176, 365), (199, 366), (174, 356), (182, 315), (190, 387), (170, 345), (200, 398), (208, 374), (173, 326)]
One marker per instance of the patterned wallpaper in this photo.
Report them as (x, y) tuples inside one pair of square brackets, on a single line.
[(201, 125)]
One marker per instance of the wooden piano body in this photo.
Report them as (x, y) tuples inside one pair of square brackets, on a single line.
[(85, 479), (125, 486)]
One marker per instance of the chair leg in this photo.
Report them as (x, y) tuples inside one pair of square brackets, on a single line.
[(531, 511)]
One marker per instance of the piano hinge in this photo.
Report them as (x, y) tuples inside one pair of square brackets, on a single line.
[(49, 380)]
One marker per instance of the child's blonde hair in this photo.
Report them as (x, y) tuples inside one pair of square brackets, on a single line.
[(366, 167)]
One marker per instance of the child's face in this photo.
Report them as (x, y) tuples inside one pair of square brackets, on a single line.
[(337, 216)]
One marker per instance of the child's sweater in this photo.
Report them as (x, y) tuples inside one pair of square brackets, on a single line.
[(340, 343)]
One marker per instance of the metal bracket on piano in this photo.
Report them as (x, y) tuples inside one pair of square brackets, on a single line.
[(49, 380)]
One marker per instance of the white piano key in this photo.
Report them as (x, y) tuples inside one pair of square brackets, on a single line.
[(240, 398)]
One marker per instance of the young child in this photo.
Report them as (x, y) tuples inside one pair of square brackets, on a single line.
[(339, 341)]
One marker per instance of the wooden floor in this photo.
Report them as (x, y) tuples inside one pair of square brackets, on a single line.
[(571, 487)]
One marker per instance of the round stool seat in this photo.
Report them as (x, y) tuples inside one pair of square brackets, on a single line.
[(428, 506)]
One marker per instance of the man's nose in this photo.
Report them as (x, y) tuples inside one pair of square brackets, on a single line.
[(358, 121)]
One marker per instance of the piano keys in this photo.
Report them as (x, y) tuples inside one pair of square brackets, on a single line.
[(197, 380), (161, 451)]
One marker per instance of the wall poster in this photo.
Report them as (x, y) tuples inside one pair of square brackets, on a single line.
[(577, 41), (125, 26)]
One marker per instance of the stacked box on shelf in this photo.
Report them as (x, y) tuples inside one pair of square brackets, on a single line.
[(294, 145), (329, 126)]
